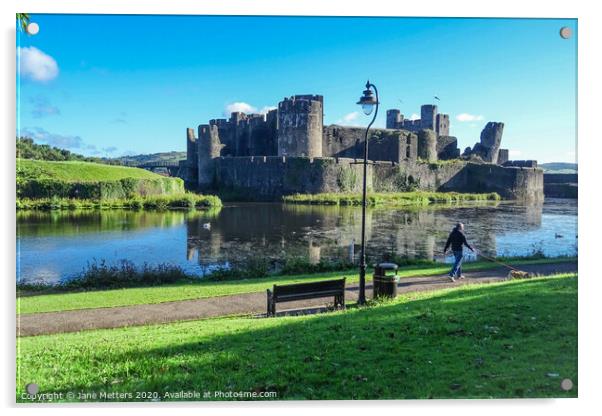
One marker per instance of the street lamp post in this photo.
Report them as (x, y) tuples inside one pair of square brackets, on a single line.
[(369, 102)]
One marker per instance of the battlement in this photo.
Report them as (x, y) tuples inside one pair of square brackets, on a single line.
[(302, 103), (220, 122)]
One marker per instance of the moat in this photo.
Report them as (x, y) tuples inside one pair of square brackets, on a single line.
[(54, 246)]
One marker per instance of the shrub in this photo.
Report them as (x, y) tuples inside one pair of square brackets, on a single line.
[(417, 198), (182, 201), (100, 275), (117, 189)]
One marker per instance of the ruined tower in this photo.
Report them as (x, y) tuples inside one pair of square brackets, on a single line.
[(427, 145), (188, 168), (489, 145), (300, 121), (442, 127), (191, 149), (208, 148), (394, 119), (428, 116)]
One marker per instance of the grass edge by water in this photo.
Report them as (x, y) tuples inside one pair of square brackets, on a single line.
[(65, 301)]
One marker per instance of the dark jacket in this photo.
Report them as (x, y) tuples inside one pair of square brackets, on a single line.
[(456, 239)]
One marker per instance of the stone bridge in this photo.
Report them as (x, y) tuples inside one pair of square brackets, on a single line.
[(171, 167)]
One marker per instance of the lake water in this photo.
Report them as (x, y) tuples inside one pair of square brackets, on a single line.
[(55, 246)]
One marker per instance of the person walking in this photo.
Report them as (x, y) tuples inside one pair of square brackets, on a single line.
[(457, 240)]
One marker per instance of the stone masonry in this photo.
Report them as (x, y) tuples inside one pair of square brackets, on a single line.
[(289, 150)]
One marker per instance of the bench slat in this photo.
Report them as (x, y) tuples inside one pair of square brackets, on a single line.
[(309, 295), (310, 287)]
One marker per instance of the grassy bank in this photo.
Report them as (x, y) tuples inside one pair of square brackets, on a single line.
[(420, 198), (511, 339), (156, 202), (38, 179), (76, 171), (50, 299)]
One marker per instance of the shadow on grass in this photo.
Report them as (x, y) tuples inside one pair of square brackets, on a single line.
[(499, 341)]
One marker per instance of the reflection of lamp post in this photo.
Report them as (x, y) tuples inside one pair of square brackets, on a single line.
[(368, 102)]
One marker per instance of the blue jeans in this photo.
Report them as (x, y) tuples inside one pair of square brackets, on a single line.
[(456, 271)]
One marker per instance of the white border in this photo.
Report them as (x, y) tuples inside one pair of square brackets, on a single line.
[(590, 125)]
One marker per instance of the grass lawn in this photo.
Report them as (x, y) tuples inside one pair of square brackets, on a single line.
[(502, 340), (205, 289), (78, 171)]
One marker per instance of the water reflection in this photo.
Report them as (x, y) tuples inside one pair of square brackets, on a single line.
[(53, 246), (326, 232)]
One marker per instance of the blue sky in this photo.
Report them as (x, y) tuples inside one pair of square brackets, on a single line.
[(114, 85)]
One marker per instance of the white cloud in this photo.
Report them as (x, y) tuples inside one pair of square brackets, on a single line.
[(514, 153), (414, 116), (35, 65), (468, 117), (349, 119), (239, 107), (242, 107), (351, 116)]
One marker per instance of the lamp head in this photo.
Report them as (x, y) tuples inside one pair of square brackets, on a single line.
[(367, 100)]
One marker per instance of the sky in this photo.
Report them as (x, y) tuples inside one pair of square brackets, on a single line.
[(113, 85)]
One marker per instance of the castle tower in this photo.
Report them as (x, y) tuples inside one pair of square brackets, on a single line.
[(442, 125), (491, 138), (208, 148), (427, 145), (300, 121), (191, 150), (428, 116), (394, 119)]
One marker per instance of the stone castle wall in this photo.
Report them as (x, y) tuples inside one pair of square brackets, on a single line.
[(383, 144), (248, 134), (271, 177)]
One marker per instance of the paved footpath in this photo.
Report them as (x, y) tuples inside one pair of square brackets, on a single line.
[(243, 304)]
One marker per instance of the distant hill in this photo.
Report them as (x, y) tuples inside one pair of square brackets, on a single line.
[(28, 149), (151, 158), (559, 167)]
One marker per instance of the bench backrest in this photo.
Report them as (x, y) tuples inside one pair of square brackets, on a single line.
[(311, 287)]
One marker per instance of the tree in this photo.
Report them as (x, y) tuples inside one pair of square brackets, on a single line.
[(22, 21)]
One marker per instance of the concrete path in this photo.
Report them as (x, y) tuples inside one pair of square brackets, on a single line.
[(243, 304)]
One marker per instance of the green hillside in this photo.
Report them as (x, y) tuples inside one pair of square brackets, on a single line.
[(151, 158), (75, 171), (559, 167), (38, 179)]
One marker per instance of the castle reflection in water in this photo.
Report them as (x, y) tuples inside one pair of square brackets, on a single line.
[(276, 231)]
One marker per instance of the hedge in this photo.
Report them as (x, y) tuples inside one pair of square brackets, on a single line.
[(119, 189)]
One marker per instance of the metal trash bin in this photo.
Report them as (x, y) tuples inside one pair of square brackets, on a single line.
[(385, 280)]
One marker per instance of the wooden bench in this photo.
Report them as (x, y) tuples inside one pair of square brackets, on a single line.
[(300, 291)]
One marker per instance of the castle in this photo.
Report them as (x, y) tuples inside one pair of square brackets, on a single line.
[(289, 150)]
